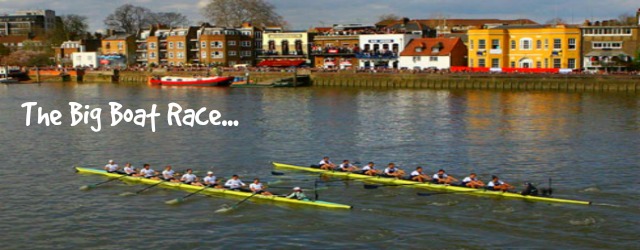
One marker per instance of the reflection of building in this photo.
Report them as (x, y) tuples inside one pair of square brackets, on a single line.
[(440, 53), (64, 51), (382, 50), (27, 22), (119, 49), (525, 46), (285, 46), (609, 45)]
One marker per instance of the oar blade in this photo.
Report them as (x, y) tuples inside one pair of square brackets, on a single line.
[(277, 173), (87, 187), (424, 194), (370, 186), (174, 201), (128, 194)]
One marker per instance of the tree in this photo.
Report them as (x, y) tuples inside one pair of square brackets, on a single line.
[(233, 13), (27, 58), (556, 20), (4, 51), (128, 18), (627, 19), (388, 17), (75, 26), (170, 19)]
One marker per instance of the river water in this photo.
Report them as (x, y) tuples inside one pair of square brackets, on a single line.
[(588, 143)]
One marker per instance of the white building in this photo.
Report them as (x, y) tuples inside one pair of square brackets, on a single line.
[(382, 50), (439, 53), (85, 59)]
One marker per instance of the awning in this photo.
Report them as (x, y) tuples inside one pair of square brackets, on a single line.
[(329, 63), (281, 63), (346, 63), (607, 53)]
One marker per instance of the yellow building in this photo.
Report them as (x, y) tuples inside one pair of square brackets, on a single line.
[(525, 46)]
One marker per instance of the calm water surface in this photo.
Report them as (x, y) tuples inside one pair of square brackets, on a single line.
[(588, 143)]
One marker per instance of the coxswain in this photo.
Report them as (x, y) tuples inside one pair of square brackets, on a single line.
[(392, 171), (129, 170), (297, 194), (497, 184), (369, 169), (210, 180), (326, 164), (234, 183), (168, 174), (529, 189), (189, 178), (148, 173), (112, 167), (417, 175), (442, 178), (346, 166), (472, 181), (257, 187)]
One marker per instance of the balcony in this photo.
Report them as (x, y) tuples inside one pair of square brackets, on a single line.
[(377, 55), (495, 51)]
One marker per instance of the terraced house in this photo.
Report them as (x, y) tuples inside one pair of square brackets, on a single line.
[(226, 46), (525, 47)]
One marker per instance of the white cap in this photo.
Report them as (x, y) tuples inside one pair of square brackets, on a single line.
[(297, 188), (110, 161), (210, 172)]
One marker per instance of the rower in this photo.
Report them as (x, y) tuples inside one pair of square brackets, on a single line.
[(326, 164), (234, 183), (369, 169), (190, 178), (168, 173), (347, 167), (257, 188), (529, 189), (129, 170), (112, 167), (417, 175), (297, 194), (472, 181), (392, 171), (210, 180), (442, 178), (148, 173), (498, 185)]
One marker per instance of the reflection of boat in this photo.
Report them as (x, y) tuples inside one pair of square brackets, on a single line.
[(427, 185), (8, 80), (192, 81), (214, 191), (298, 81)]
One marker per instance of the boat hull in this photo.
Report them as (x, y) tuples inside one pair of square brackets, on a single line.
[(431, 186), (213, 191), (204, 82)]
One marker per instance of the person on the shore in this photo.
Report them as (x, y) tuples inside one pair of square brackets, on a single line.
[(392, 171), (234, 183), (442, 178), (189, 178), (297, 194), (257, 187), (417, 175), (498, 185), (326, 164), (472, 181)]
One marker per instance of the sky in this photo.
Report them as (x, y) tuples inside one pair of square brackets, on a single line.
[(303, 14)]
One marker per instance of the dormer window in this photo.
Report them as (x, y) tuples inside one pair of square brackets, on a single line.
[(418, 49), (436, 48)]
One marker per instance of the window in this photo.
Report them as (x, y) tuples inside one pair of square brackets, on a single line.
[(571, 63), (546, 43), (546, 63), (203, 55), (171, 45), (572, 43), (120, 45), (495, 63), (217, 54), (471, 44), (557, 43), (245, 43), (203, 44), (416, 58), (245, 53), (606, 45), (180, 55), (556, 63), (471, 63), (481, 63), (152, 45), (433, 59), (152, 55), (495, 44), (525, 44), (231, 43), (513, 44), (216, 44), (538, 64), (513, 64), (180, 45), (233, 53), (482, 44), (538, 44), (170, 55)]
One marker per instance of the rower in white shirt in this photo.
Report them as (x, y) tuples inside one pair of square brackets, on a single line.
[(346, 166), (258, 188), (210, 180), (234, 183), (497, 184), (168, 174), (392, 171), (148, 173), (189, 178), (369, 169), (326, 164), (129, 170), (442, 178), (417, 175), (472, 181), (112, 167)]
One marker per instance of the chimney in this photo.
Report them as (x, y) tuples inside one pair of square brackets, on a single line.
[(638, 17)]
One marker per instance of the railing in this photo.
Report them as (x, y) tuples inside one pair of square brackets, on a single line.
[(365, 55)]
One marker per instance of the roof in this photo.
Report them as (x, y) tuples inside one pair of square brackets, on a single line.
[(533, 26), (607, 53), (461, 22), (118, 37), (446, 45), (281, 63), (17, 39)]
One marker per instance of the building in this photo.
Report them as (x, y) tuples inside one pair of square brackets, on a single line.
[(27, 22), (179, 45), (382, 50), (218, 46), (291, 48), (336, 47), (66, 49), (85, 59), (118, 50), (14, 43), (444, 25), (151, 48), (439, 53), (610, 45), (525, 46)]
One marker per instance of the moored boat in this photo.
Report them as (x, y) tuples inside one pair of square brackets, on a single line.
[(213, 191), (212, 81), (439, 187), (8, 80)]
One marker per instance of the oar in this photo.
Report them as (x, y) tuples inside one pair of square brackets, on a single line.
[(180, 200), (91, 186), (373, 186), (227, 209), (277, 173), (452, 192), (141, 190)]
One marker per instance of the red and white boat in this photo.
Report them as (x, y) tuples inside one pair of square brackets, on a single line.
[(221, 81)]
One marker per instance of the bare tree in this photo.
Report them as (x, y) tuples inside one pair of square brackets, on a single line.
[(627, 19), (388, 17), (170, 19), (232, 13), (75, 26), (128, 18), (556, 20)]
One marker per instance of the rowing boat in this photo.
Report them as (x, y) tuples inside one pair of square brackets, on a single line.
[(213, 191), (432, 186)]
